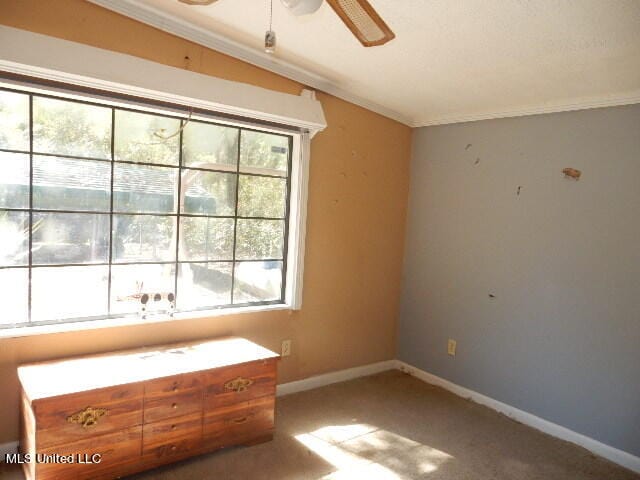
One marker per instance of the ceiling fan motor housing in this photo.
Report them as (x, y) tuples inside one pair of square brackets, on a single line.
[(302, 7)]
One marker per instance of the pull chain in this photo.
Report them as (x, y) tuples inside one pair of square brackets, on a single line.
[(270, 36)]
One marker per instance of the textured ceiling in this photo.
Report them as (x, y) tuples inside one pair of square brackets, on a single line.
[(451, 60)]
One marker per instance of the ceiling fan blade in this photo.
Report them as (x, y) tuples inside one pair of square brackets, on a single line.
[(198, 2), (363, 21)]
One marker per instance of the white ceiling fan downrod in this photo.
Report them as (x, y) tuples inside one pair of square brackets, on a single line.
[(270, 35)]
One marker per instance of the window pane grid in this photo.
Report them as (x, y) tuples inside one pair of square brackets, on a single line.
[(30, 286), (151, 214), (149, 164), (178, 210), (111, 180), (70, 157), (235, 170), (235, 221), (8, 150), (270, 272), (223, 260)]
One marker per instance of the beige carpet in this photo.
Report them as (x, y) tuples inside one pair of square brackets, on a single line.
[(391, 426)]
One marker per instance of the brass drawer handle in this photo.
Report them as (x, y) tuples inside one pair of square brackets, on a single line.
[(240, 420), (88, 417), (238, 385)]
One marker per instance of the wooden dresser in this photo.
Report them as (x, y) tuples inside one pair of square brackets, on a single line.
[(139, 409)]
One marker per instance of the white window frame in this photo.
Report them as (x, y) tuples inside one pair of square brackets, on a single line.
[(47, 58)]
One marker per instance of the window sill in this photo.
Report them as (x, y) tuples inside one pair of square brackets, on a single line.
[(28, 331)]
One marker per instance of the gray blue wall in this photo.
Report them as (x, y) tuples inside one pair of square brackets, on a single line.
[(561, 338)]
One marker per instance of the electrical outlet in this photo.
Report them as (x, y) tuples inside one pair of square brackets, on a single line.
[(451, 347), (286, 348)]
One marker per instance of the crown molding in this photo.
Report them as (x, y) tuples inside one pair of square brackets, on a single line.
[(162, 21), (584, 104)]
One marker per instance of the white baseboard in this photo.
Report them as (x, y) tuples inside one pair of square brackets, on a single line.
[(613, 454), (334, 377), (7, 448)]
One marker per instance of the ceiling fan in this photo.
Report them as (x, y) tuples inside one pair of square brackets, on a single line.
[(358, 15)]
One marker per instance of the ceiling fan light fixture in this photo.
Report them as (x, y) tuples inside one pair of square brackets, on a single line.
[(302, 7)]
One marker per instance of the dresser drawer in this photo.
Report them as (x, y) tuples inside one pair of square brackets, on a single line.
[(170, 406), (172, 437), (174, 449), (78, 416), (172, 385), (239, 383), (234, 423), (158, 433), (113, 448)]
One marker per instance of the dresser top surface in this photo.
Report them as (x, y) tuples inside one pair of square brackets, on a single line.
[(90, 372)]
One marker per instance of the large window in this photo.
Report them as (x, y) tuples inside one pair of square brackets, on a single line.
[(101, 205)]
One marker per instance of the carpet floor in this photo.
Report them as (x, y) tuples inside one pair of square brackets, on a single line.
[(391, 426)]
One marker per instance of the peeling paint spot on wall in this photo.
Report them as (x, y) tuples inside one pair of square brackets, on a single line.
[(572, 173), (468, 146)]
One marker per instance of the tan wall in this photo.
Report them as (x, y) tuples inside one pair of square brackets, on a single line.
[(356, 218)]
